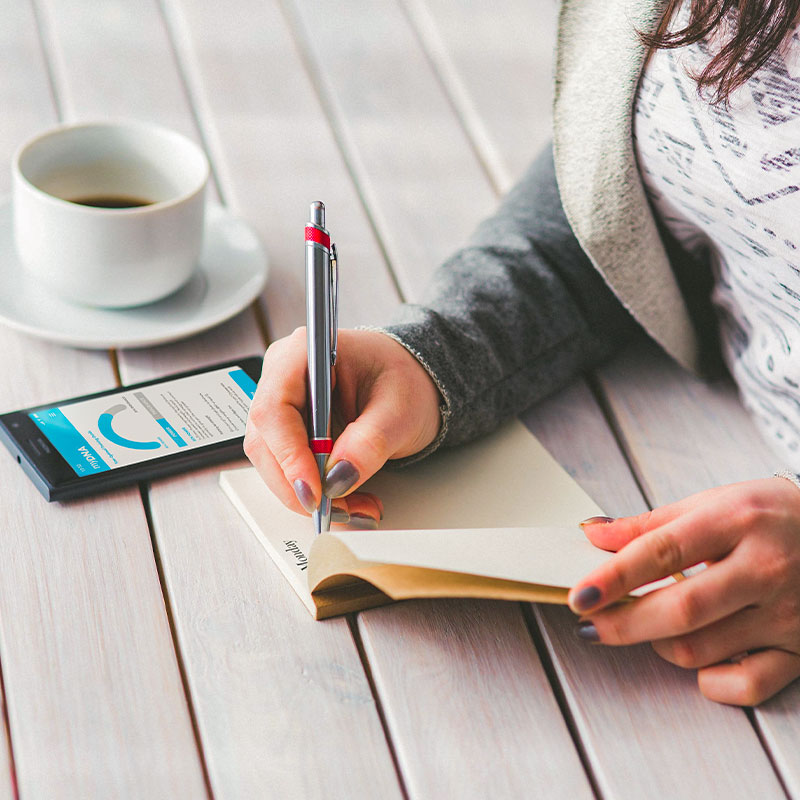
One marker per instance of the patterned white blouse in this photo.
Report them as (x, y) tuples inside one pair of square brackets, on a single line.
[(727, 181)]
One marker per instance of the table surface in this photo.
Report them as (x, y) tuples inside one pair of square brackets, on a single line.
[(148, 647)]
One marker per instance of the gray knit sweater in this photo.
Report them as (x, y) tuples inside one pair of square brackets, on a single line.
[(514, 315)]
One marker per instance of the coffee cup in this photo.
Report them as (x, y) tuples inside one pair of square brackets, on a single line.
[(109, 214)]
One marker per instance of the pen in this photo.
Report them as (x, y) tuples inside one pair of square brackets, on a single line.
[(321, 335)]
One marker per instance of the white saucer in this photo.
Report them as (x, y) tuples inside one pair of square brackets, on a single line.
[(231, 273)]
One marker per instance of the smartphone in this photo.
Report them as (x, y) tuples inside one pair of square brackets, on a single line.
[(86, 445)]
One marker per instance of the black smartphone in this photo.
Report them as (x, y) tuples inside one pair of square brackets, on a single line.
[(102, 441)]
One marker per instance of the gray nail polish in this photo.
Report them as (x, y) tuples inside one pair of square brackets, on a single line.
[(339, 479), (599, 520), (364, 521), (588, 632), (339, 515), (305, 495), (587, 597)]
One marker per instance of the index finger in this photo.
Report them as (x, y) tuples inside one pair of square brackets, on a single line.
[(700, 535), (614, 534), (277, 418)]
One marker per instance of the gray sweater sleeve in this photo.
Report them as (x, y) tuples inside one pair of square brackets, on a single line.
[(514, 315)]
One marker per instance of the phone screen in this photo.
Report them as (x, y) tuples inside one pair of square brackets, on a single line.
[(131, 426)]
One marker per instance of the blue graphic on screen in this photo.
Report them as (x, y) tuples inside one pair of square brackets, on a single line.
[(244, 381), (105, 427), (66, 438)]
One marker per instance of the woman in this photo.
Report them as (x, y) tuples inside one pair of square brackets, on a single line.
[(672, 213)]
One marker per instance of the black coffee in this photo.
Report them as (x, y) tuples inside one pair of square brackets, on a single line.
[(112, 201)]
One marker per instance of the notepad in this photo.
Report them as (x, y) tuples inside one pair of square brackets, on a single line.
[(497, 518)]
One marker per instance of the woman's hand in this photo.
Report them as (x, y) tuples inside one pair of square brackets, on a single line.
[(745, 606), (385, 401)]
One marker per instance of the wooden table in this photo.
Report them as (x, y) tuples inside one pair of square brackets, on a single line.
[(148, 647)]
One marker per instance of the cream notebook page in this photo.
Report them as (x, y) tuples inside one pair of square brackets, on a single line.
[(504, 481)]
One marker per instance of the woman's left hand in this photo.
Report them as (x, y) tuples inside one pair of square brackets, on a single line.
[(744, 606)]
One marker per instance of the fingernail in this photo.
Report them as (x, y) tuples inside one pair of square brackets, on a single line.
[(596, 521), (339, 515), (341, 477), (364, 521), (586, 598), (587, 632), (305, 495)]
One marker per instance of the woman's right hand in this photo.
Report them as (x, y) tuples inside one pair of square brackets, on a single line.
[(386, 402)]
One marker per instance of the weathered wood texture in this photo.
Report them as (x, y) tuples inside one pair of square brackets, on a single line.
[(274, 153), (495, 63), (277, 702), (92, 683), (683, 436), (477, 717), (407, 150)]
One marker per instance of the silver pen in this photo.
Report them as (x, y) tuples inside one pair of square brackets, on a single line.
[(321, 335)]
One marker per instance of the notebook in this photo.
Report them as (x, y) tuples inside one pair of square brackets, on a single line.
[(497, 518)]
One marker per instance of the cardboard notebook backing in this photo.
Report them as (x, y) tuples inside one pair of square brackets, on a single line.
[(497, 518)]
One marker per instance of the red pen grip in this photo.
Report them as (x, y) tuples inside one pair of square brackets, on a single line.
[(316, 235)]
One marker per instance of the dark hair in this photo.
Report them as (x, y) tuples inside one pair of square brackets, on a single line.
[(757, 29)]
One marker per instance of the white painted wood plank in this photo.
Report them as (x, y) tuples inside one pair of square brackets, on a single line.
[(274, 153), (645, 728), (684, 436), (95, 700), (110, 61), (278, 703), (92, 684), (34, 100), (468, 703), (779, 722), (410, 156), (495, 62)]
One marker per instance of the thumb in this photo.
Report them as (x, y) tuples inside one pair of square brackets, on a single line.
[(363, 448)]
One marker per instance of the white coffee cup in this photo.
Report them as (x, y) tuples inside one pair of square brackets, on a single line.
[(97, 255)]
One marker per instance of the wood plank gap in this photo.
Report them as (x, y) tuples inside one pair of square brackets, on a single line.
[(762, 738), (427, 35), (186, 68), (600, 396), (347, 150), (352, 623), (43, 36), (145, 495), (558, 692), (114, 358)]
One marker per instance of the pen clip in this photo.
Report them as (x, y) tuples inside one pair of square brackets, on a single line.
[(334, 278)]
